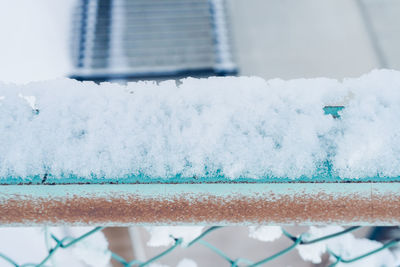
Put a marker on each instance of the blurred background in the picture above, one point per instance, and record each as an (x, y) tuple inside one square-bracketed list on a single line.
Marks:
[(139, 39), (129, 40)]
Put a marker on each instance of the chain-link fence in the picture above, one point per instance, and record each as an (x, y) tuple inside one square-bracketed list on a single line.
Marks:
[(300, 240)]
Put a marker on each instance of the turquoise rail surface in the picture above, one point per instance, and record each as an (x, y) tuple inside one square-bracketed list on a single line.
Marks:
[(52, 180)]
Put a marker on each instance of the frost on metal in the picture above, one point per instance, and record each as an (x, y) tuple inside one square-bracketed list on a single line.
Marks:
[(233, 127)]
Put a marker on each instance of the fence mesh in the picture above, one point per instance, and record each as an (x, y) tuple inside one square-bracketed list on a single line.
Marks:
[(67, 242)]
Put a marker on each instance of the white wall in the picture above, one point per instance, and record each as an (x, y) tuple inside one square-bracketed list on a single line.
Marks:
[(34, 39)]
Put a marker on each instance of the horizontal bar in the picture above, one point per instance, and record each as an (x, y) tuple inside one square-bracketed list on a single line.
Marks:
[(208, 204), (49, 179)]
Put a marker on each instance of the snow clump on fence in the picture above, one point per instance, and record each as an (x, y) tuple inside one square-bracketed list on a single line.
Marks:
[(233, 127)]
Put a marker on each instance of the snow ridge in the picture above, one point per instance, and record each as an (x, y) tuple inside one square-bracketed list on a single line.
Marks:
[(232, 127)]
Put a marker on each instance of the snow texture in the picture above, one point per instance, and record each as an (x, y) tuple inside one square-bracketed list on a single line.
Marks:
[(313, 252), (232, 127), (22, 244), (187, 263), (93, 250), (346, 246), (265, 233), (182, 263), (31, 244), (164, 235)]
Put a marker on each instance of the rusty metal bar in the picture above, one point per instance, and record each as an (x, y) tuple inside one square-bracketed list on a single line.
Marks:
[(210, 204)]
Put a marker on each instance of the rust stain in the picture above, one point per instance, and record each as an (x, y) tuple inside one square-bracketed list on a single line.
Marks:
[(386, 207), (209, 209)]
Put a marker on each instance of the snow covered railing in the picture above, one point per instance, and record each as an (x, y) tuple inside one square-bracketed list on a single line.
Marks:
[(210, 151)]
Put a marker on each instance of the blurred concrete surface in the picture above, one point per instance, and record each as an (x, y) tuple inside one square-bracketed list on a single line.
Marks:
[(384, 23), (311, 38)]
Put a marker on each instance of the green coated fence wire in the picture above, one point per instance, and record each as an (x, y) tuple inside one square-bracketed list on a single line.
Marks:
[(67, 242)]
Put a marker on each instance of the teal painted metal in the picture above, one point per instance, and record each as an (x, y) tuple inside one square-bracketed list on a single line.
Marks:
[(140, 179), (333, 110)]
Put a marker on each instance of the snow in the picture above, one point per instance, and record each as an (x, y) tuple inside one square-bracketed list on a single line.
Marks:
[(313, 252), (230, 126), (93, 250), (359, 246), (265, 233), (164, 235), (182, 263), (31, 245), (347, 246), (22, 244), (187, 263)]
